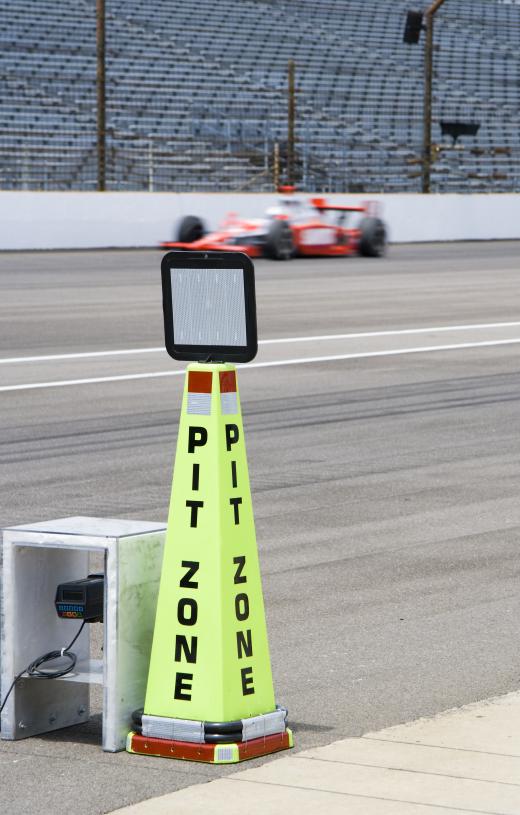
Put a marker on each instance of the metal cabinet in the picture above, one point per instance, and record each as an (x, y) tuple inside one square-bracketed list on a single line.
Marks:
[(36, 558)]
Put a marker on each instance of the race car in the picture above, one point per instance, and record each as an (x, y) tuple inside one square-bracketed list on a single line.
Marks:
[(293, 227)]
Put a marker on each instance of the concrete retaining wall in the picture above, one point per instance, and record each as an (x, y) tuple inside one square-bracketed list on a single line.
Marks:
[(66, 220)]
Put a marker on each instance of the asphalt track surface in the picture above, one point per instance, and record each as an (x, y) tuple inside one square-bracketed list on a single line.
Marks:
[(385, 481)]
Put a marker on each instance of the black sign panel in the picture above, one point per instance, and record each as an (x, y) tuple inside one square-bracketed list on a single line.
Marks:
[(209, 306)]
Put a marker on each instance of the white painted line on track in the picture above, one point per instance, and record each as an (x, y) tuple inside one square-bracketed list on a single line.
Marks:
[(93, 380), (272, 364), (277, 341), (390, 333), (82, 355)]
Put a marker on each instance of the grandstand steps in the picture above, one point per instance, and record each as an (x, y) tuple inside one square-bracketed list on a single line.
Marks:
[(210, 78)]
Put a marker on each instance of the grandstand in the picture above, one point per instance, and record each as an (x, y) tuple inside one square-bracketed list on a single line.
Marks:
[(196, 94)]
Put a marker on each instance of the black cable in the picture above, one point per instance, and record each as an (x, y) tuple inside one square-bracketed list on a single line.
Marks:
[(34, 668)]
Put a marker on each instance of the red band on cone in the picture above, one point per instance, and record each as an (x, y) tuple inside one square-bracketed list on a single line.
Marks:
[(199, 381), (228, 382)]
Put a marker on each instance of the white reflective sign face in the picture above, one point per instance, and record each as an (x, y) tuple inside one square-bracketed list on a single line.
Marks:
[(208, 307)]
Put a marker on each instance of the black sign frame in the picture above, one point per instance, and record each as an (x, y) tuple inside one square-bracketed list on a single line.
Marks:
[(210, 260)]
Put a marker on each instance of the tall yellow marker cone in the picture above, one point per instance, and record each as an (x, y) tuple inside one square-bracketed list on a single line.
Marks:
[(210, 692)]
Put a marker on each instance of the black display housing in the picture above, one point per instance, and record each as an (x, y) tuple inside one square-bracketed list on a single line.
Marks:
[(81, 599), (210, 260)]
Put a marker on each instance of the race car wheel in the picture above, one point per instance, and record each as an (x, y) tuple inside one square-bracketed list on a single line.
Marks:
[(190, 229), (279, 244), (372, 243)]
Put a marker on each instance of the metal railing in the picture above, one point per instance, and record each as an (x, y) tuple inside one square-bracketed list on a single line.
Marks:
[(225, 158)]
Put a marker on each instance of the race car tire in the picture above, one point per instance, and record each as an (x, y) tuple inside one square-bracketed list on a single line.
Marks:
[(279, 244), (372, 243), (190, 229)]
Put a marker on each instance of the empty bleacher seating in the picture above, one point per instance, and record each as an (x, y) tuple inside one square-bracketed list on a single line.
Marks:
[(196, 94)]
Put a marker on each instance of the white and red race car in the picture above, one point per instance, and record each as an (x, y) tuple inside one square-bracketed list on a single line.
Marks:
[(293, 227)]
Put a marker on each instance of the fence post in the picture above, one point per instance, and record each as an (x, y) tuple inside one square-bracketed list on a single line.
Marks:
[(100, 84), (427, 105), (276, 166), (150, 165), (291, 115)]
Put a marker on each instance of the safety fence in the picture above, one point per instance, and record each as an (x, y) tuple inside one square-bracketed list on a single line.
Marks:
[(229, 158)]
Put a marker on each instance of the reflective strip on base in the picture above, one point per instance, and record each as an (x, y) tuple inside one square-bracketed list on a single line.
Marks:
[(265, 725), (161, 727), (226, 754)]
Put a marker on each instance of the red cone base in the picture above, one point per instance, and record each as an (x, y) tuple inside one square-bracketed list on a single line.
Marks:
[(209, 753)]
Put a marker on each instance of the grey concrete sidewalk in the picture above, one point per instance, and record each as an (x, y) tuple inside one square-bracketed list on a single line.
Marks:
[(461, 761)]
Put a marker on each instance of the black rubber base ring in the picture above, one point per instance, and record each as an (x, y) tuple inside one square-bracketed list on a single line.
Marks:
[(223, 738), (217, 728)]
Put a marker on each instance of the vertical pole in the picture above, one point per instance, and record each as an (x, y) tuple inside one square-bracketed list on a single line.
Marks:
[(305, 167), (276, 166), (291, 114), (25, 170), (150, 164), (427, 104), (101, 98), (228, 130)]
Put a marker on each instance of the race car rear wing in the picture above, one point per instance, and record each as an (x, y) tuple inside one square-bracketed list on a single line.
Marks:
[(339, 208), (370, 207)]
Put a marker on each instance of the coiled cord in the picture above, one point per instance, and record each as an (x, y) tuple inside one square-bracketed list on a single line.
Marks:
[(34, 669)]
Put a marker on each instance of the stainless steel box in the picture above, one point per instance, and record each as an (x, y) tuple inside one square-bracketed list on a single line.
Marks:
[(36, 558)]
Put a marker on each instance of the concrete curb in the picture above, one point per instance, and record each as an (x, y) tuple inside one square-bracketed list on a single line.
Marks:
[(464, 760)]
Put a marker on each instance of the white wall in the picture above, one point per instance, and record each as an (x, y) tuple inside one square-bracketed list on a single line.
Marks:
[(62, 220)]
